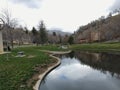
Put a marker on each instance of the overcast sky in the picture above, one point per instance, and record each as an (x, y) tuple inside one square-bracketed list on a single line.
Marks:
[(67, 15)]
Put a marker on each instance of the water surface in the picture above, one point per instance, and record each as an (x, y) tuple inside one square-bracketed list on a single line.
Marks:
[(85, 71)]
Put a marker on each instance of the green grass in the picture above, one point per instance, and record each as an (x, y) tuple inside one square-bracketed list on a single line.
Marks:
[(50, 47), (16, 71), (97, 47)]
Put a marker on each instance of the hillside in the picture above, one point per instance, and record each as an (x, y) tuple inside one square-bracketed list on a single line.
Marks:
[(101, 30)]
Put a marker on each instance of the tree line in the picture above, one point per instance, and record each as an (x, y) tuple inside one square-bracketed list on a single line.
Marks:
[(13, 33)]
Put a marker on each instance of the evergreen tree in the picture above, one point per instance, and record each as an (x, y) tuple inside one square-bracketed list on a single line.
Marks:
[(34, 31), (35, 36), (54, 33), (43, 33), (71, 40)]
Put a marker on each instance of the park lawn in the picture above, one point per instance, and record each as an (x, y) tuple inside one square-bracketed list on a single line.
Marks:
[(56, 47), (97, 47), (16, 71)]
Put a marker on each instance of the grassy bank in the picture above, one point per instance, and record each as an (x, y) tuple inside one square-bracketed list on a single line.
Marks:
[(51, 48), (15, 73), (97, 47)]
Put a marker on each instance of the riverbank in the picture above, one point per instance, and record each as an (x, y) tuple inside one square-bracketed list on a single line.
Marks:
[(51, 67), (96, 47)]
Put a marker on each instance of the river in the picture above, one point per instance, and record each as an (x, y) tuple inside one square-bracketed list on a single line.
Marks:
[(85, 71)]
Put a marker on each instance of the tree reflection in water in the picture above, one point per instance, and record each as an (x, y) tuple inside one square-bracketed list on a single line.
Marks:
[(101, 61), (85, 71)]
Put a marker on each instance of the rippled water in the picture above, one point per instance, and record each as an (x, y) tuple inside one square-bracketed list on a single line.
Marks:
[(85, 71)]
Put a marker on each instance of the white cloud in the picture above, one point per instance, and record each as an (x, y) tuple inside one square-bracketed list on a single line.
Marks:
[(73, 70), (28, 3), (116, 5), (65, 14)]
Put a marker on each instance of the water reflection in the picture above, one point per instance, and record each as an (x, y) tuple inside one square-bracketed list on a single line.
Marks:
[(101, 61), (85, 71)]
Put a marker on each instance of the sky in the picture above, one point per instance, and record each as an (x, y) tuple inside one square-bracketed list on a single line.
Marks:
[(67, 15)]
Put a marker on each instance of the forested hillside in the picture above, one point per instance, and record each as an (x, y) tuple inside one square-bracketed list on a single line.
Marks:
[(101, 30)]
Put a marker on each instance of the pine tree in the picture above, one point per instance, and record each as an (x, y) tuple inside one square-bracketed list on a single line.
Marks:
[(43, 33), (35, 36), (34, 31), (71, 40), (54, 33)]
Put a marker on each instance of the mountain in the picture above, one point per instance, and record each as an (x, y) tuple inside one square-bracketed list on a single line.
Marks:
[(101, 30), (58, 32)]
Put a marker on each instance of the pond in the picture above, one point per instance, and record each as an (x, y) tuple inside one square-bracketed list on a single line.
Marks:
[(85, 71)]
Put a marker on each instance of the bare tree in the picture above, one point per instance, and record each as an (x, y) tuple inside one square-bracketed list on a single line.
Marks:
[(10, 24)]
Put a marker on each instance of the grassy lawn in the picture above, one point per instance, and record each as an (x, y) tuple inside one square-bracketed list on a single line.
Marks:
[(97, 47), (15, 72), (51, 48)]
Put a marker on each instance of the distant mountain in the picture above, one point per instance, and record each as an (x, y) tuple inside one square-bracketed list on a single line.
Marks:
[(59, 32)]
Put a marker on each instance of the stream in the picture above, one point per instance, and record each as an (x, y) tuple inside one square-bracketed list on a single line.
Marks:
[(85, 71)]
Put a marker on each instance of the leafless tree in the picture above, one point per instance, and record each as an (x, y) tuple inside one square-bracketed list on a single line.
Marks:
[(10, 24)]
